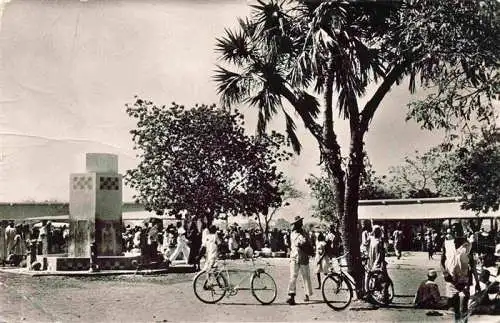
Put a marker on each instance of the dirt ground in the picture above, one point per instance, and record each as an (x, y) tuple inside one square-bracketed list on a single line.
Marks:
[(170, 298)]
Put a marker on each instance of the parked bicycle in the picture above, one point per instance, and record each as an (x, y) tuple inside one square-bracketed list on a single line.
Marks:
[(337, 287), (210, 287)]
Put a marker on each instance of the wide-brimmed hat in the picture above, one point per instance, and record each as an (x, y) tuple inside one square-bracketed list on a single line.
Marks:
[(297, 219)]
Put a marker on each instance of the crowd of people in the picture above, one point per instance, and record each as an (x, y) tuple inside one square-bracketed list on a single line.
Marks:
[(17, 239), (458, 265), (183, 241), (189, 241)]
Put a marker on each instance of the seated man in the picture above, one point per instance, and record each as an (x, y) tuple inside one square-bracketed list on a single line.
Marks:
[(428, 295)]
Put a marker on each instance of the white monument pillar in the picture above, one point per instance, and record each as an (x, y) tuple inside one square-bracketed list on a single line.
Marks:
[(95, 207)]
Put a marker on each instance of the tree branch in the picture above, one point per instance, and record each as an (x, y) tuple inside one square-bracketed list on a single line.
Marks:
[(372, 105)]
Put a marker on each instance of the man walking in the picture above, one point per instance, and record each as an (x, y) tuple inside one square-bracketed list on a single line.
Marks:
[(300, 250), (182, 246)]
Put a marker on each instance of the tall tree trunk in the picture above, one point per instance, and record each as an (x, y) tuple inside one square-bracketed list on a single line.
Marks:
[(350, 228), (330, 149)]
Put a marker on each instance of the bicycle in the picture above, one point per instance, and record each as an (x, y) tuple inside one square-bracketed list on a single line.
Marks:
[(216, 283), (338, 284)]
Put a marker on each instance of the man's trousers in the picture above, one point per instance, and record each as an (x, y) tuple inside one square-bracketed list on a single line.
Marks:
[(295, 267)]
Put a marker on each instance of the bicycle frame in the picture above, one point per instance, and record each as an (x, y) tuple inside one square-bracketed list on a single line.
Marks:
[(348, 277), (234, 288), (343, 273)]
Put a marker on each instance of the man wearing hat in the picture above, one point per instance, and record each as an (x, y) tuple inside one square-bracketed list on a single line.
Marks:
[(428, 295), (299, 260)]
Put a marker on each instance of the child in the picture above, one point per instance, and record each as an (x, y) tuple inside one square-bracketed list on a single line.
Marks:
[(321, 259)]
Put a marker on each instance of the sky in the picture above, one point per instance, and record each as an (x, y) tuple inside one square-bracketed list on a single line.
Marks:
[(68, 67)]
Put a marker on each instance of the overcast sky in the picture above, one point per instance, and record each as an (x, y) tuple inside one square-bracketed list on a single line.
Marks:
[(68, 68)]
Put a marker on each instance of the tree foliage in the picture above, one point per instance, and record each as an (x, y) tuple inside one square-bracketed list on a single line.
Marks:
[(201, 161), (287, 192), (418, 177), (463, 166), (475, 170), (372, 187)]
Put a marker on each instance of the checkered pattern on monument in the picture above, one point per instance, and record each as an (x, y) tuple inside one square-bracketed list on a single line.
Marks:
[(82, 183), (109, 183)]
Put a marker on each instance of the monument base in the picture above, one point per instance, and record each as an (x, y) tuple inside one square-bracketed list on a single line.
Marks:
[(82, 263)]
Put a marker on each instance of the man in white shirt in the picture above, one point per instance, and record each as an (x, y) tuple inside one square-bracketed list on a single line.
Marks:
[(210, 245)]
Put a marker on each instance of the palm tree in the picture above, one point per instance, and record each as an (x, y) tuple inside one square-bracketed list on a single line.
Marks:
[(283, 52), (295, 50)]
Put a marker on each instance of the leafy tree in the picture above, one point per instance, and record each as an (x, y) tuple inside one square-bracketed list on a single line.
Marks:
[(465, 166), (323, 194), (287, 192), (285, 50), (416, 177), (476, 171), (372, 186), (201, 161)]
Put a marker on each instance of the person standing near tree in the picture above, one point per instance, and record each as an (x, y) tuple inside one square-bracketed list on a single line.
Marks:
[(195, 240), (321, 260), (300, 251), (210, 248), (376, 258), (365, 237)]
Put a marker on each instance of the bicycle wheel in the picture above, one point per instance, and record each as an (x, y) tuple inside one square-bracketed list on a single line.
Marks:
[(377, 290), (337, 291), (210, 287), (263, 287)]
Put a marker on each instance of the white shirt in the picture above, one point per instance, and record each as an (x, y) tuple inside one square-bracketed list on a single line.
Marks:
[(204, 234), (210, 244), (296, 239), (181, 237)]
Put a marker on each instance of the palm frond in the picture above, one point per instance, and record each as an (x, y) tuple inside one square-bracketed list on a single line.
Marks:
[(308, 105), (233, 47), (267, 102), (290, 131), (232, 87)]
